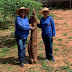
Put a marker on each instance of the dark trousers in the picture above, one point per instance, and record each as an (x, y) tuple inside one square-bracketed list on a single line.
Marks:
[(21, 48), (48, 47)]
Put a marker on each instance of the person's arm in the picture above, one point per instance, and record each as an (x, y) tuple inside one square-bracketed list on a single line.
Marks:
[(53, 27), (21, 26)]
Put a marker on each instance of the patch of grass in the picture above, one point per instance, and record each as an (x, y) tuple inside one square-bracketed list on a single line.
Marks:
[(13, 47), (17, 68), (2, 54), (65, 34), (41, 43), (71, 64), (65, 23), (66, 42), (63, 69), (59, 39), (46, 66), (41, 55), (55, 53), (67, 62), (56, 49), (54, 44), (10, 68), (41, 48), (31, 69), (67, 68), (63, 53), (4, 50), (70, 38)]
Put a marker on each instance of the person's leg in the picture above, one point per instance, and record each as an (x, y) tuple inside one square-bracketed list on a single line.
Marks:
[(24, 45), (20, 50), (48, 47)]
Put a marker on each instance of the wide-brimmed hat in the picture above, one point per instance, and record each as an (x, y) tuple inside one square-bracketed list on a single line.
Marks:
[(44, 9), (22, 8)]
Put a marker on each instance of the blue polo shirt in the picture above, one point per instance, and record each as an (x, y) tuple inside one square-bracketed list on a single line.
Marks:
[(47, 26), (22, 27)]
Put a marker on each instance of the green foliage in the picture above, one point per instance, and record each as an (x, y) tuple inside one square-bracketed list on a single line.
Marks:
[(65, 34), (46, 66), (8, 9), (59, 39), (4, 50)]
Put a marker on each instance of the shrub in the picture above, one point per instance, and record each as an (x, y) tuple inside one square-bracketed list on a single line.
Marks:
[(8, 8)]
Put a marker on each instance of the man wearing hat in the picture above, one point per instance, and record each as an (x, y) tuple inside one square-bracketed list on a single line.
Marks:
[(21, 32), (47, 26)]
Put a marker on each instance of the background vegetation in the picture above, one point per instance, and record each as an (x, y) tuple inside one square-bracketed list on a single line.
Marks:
[(8, 10)]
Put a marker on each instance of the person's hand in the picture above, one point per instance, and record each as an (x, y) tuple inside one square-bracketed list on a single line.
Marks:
[(32, 28)]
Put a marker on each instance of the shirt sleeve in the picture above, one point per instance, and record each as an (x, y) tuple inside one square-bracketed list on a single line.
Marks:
[(22, 26), (53, 27), (39, 25)]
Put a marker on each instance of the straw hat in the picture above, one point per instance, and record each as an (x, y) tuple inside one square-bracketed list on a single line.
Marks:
[(22, 8), (44, 9)]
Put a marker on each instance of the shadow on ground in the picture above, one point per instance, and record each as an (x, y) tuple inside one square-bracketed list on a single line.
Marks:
[(14, 61)]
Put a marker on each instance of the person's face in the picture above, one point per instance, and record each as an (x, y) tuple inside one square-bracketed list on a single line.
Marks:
[(45, 13), (22, 13)]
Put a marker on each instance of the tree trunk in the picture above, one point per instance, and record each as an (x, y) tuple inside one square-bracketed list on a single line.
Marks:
[(32, 46)]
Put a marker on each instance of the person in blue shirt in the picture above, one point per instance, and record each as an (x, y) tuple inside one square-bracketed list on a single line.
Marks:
[(21, 32), (47, 26)]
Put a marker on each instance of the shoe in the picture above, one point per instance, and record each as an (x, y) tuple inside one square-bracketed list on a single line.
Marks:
[(25, 62), (53, 60), (46, 59), (21, 64)]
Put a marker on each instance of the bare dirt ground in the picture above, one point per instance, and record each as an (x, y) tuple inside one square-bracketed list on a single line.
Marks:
[(62, 48)]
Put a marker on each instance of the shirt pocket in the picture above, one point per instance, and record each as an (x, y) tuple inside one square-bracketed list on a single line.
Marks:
[(48, 24)]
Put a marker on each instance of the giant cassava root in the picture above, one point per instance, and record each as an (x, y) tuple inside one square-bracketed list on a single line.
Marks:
[(32, 45)]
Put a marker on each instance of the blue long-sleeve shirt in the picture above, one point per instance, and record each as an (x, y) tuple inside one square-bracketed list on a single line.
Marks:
[(22, 27), (47, 26)]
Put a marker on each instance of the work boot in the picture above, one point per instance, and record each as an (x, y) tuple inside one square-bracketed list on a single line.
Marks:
[(21, 64)]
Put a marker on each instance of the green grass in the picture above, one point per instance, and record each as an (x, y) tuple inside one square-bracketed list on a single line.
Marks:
[(63, 69), (56, 49), (65, 23), (66, 42), (67, 62), (59, 39), (41, 43), (67, 68), (46, 66), (4, 50), (10, 68), (54, 43), (31, 69), (70, 38), (41, 55), (41, 48), (65, 34)]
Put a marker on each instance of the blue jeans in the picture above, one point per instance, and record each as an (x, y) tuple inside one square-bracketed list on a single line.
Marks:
[(21, 48), (48, 47)]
